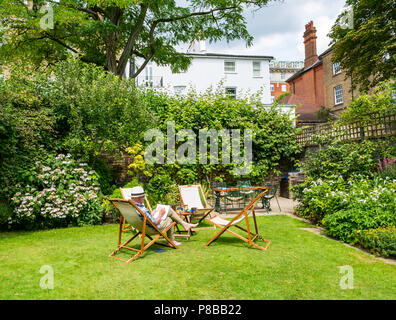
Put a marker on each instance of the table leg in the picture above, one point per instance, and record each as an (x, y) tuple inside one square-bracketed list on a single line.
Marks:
[(266, 203), (217, 202)]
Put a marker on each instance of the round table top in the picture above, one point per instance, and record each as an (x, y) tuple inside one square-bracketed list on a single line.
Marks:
[(219, 189)]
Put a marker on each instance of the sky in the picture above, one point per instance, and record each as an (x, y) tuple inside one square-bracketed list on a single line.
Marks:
[(278, 28)]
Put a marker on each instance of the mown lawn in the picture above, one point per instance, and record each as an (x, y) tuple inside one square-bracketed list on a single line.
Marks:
[(297, 265)]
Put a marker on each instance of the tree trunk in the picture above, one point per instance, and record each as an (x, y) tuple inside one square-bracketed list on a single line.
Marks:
[(111, 57), (111, 42)]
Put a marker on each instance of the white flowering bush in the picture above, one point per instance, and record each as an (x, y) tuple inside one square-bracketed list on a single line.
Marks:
[(346, 207), (369, 204), (62, 192), (320, 197)]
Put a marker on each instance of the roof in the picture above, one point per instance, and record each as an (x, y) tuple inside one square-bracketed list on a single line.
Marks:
[(302, 71), (224, 55), (318, 62), (326, 52), (307, 110)]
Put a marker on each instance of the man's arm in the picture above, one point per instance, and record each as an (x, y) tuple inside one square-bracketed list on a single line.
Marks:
[(160, 215)]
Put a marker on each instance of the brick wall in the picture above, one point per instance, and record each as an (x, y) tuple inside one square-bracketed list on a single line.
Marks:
[(331, 81), (278, 89), (310, 86), (118, 166)]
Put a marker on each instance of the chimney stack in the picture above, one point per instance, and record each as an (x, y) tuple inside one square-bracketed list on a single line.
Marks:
[(311, 55)]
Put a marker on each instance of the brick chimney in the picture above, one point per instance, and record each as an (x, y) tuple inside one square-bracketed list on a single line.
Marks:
[(311, 55)]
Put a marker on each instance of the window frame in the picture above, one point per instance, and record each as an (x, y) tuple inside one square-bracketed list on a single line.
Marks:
[(229, 61), (259, 69), (336, 68), (180, 90), (231, 95), (336, 97)]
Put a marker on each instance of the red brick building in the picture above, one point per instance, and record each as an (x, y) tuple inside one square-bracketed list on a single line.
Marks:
[(280, 71), (307, 89)]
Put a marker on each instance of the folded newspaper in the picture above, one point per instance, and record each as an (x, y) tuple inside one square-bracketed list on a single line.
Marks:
[(157, 210)]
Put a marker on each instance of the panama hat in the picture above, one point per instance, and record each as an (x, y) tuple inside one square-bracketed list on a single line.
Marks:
[(137, 192)]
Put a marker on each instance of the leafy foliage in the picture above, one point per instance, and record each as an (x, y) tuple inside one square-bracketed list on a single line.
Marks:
[(345, 190), (369, 205), (380, 241), (27, 129), (367, 50), (77, 108), (81, 109), (387, 168), (108, 33), (318, 198), (344, 207), (345, 159), (381, 101), (274, 144), (96, 111)]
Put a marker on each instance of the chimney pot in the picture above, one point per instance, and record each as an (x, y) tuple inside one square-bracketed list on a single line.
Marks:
[(311, 55)]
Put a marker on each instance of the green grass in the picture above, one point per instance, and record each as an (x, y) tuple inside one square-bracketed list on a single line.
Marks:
[(297, 265)]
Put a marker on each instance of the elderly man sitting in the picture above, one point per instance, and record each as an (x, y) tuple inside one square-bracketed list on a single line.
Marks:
[(162, 216)]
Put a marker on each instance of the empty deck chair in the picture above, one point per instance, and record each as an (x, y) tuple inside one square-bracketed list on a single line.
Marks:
[(225, 225), (192, 196), (144, 227)]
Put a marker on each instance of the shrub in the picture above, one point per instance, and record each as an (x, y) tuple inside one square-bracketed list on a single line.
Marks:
[(73, 108), (320, 198), (346, 159), (105, 178), (382, 101), (61, 192), (5, 213), (371, 204), (274, 139), (380, 241), (96, 110), (26, 130), (345, 224), (347, 189)]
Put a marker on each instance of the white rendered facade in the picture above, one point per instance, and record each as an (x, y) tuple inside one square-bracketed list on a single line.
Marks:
[(239, 74)]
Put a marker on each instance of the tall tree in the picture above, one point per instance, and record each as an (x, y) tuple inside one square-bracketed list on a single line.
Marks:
[(110, 32), (365, 45)]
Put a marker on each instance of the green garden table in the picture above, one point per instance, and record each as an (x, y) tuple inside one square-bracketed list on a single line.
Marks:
[(218, 190)]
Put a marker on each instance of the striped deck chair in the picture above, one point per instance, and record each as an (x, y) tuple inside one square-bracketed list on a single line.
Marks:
[(192, 196), (144, 227), (225, 225)]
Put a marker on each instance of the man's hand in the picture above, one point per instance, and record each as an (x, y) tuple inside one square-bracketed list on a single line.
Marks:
[(160, 215)]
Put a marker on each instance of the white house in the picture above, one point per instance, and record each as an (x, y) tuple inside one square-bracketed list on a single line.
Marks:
[(238, 73)]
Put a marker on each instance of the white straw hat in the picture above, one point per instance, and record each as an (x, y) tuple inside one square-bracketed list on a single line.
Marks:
[(137, 192)]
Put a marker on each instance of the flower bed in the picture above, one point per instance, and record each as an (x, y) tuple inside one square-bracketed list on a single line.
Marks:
[(349, 196)]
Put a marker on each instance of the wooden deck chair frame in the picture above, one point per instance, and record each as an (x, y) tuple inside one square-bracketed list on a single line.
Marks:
[(155, 235), (243, 215), (126, 227), (125, 196), (205, 211)]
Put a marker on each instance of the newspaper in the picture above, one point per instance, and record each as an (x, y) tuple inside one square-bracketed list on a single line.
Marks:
[(157, 211)]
